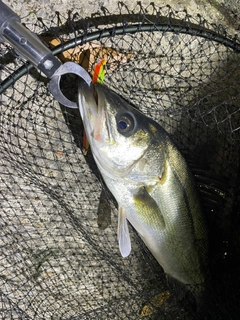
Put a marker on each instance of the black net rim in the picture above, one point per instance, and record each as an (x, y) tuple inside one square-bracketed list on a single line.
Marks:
[(164, 24)]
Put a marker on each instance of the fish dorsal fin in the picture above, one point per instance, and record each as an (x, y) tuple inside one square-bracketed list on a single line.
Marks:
[(123, 233)]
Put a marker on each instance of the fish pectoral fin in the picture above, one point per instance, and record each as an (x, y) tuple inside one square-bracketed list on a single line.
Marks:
[(123, 233), (148, 210)]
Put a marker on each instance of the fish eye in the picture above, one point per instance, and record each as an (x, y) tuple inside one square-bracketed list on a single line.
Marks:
[(126, 124)]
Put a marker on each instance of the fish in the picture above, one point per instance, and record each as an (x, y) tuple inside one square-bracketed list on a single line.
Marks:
[(151, 182), (104, 210)]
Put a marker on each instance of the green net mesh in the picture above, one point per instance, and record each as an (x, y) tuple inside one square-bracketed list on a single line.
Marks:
[(59, 255)]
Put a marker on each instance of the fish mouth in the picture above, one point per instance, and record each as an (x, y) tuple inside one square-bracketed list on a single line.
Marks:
[(93, 113), (88, 100)]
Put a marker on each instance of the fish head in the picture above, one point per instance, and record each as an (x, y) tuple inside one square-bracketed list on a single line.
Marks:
[(119, 134)]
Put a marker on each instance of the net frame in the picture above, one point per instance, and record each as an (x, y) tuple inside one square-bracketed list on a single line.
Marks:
[(138, 293)]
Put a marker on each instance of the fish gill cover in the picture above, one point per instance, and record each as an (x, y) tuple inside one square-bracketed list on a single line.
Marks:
[(59, 256)]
